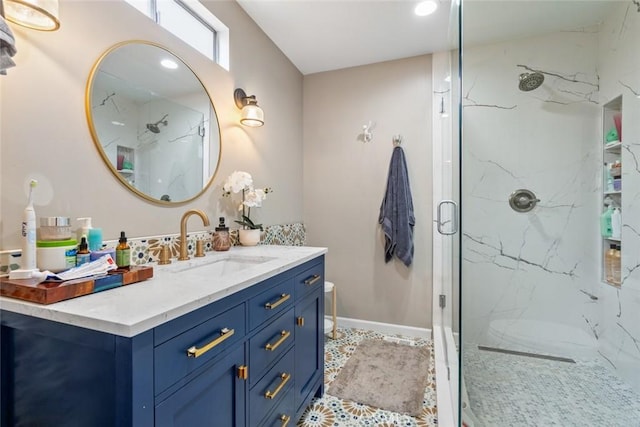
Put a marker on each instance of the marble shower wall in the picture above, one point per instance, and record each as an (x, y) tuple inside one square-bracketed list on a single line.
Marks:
[(619, 309), (539, 266), (537, 274)]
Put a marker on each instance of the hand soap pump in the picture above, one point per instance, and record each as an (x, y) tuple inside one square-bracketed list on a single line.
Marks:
[(83, 228), (221, 238)]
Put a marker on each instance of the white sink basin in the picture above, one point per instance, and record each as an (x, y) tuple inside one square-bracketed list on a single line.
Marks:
[(216, 265)]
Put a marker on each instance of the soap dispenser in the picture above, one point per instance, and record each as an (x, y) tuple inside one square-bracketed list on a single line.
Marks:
[(221, 237)]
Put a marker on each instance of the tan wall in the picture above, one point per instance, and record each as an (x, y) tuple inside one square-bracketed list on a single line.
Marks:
[(45, 134), (345, 180)]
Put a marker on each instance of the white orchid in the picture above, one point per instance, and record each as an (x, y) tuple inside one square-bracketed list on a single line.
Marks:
[(237, 182), (240, 181), (253, 198)]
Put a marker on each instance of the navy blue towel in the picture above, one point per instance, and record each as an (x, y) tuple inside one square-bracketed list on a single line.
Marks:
[(396, 212)]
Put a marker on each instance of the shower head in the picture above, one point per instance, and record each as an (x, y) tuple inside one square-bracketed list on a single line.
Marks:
[(153, 127), (530, 81)]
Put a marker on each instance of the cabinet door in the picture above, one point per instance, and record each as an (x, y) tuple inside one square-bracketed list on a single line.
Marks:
[(214, 398), (309, 347)]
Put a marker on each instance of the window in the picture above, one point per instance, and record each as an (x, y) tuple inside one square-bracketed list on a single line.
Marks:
[(192, 23)]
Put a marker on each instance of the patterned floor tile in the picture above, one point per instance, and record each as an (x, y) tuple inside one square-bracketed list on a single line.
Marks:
[(330, 411)]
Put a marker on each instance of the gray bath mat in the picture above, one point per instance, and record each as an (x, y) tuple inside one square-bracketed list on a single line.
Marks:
[(385, 375)]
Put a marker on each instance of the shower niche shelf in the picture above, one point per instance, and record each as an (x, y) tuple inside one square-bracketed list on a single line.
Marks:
[(611, 248)]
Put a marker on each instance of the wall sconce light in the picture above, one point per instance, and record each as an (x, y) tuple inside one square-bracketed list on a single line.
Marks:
[(251, 114), (39, 15)]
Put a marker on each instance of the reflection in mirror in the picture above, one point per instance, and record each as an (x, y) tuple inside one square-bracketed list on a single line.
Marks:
[(153, 122)]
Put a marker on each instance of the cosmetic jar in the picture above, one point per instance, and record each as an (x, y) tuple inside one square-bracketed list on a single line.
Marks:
[(55, 228), (56, 255)]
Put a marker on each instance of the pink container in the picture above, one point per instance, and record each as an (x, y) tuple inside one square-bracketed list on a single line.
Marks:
[(617, 120)]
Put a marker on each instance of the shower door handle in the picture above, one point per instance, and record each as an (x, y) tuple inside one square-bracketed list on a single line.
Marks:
[(454, 228)]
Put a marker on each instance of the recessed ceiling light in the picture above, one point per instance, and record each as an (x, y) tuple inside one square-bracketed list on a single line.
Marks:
[(425, 8), (169, 63)]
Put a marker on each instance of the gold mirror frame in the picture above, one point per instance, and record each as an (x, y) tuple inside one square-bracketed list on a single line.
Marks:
[(151, 126)]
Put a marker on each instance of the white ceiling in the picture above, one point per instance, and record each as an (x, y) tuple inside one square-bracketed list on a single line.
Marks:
[(322, 35)]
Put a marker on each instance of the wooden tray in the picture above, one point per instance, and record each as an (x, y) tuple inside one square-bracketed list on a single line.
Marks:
[(50, 292)]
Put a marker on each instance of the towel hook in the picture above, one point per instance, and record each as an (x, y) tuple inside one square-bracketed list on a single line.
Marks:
[(367, 135), (397, 140)]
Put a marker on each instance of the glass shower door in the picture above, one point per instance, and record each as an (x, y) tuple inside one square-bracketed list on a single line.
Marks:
[(545, 341)]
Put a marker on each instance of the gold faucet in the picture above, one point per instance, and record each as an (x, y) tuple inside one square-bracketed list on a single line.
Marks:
[(183, 230)]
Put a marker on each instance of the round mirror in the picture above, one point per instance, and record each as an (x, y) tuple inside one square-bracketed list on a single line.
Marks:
[(153, 122)]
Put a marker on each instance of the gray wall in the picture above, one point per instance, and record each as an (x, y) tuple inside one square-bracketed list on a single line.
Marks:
[(345, 180), (45, 133)]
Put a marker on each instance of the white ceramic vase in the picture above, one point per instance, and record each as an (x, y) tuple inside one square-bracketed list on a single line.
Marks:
[(249, 237)]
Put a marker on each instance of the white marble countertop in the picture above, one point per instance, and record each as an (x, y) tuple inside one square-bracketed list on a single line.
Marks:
[(132, 309)]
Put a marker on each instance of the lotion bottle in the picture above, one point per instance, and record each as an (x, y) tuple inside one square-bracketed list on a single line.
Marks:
[(28, 258)]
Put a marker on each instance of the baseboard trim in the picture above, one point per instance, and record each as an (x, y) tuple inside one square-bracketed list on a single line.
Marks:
[(383, 328)]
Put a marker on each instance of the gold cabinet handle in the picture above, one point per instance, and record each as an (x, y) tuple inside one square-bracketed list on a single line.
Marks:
[(285, 420), (285, 378), (272, 305), (197, 352), (300, 321), (243, 372), (311, 280), (283, 336)]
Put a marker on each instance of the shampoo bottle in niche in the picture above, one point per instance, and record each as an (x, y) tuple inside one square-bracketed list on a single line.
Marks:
[(609, 259), (616, 266), (123, 252), (616, 223), (605, 222), (608, 177), (28, 258)]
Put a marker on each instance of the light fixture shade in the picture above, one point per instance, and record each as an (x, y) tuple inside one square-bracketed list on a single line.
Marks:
[(252, 115), (35, 14)]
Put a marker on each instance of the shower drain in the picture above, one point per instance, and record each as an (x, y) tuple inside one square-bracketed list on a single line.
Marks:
[(526, 354)]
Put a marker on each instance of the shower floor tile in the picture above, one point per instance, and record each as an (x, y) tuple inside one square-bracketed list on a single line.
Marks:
[(330, 411), (510, 390)]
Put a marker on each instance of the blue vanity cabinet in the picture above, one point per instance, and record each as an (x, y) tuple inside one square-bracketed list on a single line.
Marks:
[(309, 349), (259, 363), (215, 397)]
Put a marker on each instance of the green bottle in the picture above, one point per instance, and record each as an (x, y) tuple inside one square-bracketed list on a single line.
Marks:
[(605, 222), (123, 251)]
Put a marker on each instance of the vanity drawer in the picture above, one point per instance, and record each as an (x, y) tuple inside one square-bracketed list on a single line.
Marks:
[(308, 280), (268, 393), (270, 302), (269, 344), (284, 413), (192, 349)]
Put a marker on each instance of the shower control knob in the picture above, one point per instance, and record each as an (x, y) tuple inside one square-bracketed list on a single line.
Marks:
[(523, 200)]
